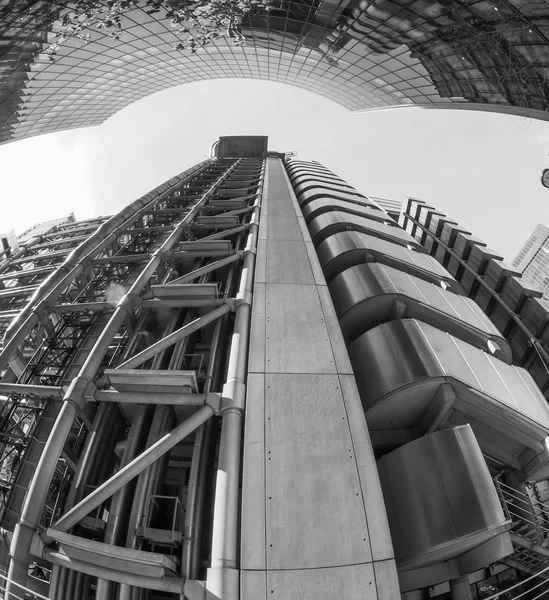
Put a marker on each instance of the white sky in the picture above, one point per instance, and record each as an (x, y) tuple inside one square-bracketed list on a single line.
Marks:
[(482, 169)]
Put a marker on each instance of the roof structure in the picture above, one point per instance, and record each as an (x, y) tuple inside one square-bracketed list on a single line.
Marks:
[(476, 54)]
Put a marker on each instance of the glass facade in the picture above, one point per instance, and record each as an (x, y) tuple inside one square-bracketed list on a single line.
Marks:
[(486, 54)]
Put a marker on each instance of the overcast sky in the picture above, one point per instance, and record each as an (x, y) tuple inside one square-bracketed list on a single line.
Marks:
[(481, 169)]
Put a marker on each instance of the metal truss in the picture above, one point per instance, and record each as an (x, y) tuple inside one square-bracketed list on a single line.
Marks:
[(94, 313)]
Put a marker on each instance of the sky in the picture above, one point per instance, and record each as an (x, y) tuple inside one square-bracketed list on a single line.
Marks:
[(481, 169)]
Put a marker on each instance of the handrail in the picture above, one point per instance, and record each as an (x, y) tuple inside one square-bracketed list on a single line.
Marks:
[(26, 589), (498, 594)]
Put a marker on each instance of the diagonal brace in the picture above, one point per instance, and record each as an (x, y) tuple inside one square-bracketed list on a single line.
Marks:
[(174, 337), (132, 469)]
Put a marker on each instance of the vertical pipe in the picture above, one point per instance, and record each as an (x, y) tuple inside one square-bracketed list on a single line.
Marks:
[(54, 581), (86, 591), (81, 476), (79, 586), (461, 589), (67, 591), (118, 517), (61, 582), (223, 575), (198, 474), (146, 485)]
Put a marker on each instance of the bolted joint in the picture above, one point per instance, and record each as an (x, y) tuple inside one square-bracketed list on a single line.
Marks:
[(233, 396)]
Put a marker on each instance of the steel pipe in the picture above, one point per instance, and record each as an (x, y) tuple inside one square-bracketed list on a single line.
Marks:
[(40, 391), (34, 502), (206, 269), (46, 292), (174, 337), (150, 398), (194, 508), (118, 517), (223, 576), (146, 484), (226, 233), (136, 466), (165, 584)]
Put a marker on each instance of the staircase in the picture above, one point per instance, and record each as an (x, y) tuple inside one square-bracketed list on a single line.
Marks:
[(530, 526)]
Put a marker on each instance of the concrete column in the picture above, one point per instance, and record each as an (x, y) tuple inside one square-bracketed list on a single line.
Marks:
[(461, 589)]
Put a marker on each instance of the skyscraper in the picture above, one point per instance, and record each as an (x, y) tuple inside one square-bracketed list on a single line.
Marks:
[(200, 391), (478, 56), (533, 261)]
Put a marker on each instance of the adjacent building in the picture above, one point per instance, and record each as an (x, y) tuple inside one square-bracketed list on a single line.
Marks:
[(533, 261), (253, 383), (480, 55)]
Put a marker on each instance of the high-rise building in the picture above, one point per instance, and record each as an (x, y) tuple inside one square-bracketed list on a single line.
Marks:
[(476, 55), (252, 383), (533, 261)]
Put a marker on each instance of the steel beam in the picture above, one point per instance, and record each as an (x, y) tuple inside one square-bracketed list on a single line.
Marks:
[(174, 337), (156, 398), (206, 269), (75, 397), (40, 391), (132, 469), (75, 262), (172, 585), (225, 233)]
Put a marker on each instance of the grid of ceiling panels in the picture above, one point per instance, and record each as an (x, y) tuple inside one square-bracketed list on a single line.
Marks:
[(398, 52)]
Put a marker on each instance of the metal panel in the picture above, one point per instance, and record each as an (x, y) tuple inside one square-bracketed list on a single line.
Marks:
[(296, 344), (315, 193), (311, 474), (256, 360), (400, 367), (339, 349), (348, 248), (440, 497), (318, 207), (439, 354), (358, 581), (254, 585), (288, 262), (315, 264), (334, 222), (386, 580), (374, 505), (369, 294), (283, 228), (253, 476), (321, 182)]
